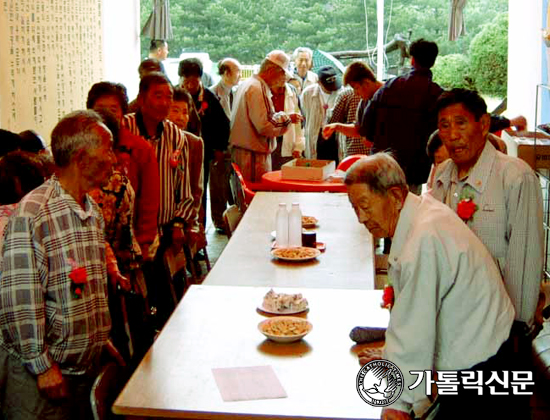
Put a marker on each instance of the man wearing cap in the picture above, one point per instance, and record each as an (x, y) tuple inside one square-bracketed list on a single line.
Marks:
[(318, 100), (401, 115), (254, 122)]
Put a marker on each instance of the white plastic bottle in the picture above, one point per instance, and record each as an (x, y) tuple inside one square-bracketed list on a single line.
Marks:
[(295, 226), (281, 226)]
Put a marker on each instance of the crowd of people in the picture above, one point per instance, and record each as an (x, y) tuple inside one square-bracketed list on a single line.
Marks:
[(122, 183)]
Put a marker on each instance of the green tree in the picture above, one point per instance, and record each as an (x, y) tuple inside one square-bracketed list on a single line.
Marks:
[(248, 29), (452, 71), (489, 57)]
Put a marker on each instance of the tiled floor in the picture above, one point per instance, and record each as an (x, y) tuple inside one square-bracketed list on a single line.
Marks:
[(216, 242)]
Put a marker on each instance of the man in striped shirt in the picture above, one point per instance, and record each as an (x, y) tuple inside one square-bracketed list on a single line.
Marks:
[(254, 123), (54, 316), (171, 148), (177, 220)]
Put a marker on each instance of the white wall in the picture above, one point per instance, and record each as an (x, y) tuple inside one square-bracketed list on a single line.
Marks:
[(121, 46), (524, 57)]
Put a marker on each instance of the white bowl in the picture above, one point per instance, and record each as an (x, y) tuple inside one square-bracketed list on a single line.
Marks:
[(284, 322)]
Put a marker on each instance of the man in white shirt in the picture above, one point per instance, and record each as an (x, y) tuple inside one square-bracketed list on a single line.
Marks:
[(254, 123), (303, 62), (220, 192), (318, 100), (505, 192), (499, 198), (159, 51), (230, 72), (451, 311)]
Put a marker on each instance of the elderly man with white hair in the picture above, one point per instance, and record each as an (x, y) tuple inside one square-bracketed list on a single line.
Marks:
[(451, 311), (303, 62), (254, 123), (220, 170), (230, 72), (54, 315)]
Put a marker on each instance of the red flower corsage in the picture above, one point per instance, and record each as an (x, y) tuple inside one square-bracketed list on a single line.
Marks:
[(388, 297), (204, 107), (79, 279), (174, 160), (466, 209), (325, 106), (466, 206)]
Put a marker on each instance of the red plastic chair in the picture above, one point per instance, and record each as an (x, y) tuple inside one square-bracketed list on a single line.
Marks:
[(248, 193), (347, 162)]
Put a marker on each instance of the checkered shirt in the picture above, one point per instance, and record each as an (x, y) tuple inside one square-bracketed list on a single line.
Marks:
[(345, 111), (41, 321)]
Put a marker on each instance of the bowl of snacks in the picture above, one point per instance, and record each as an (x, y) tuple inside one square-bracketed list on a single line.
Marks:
[(296, 254), (285, 329), (309, 222)]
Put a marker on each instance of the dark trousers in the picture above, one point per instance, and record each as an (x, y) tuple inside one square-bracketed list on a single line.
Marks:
[(327, 149), (21, 400), (158, 281), (469, 405), (277, 160), (220, 191), (205, 176)]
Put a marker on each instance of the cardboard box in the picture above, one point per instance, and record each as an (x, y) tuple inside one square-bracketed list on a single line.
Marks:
[(308, 169), (521, 144)]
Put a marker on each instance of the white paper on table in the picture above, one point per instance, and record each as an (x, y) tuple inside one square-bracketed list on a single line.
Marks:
[(248, 383)]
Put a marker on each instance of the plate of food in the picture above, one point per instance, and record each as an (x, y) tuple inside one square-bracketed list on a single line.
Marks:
[(283, 303), (300, 253), (309, 222), (285, 329)]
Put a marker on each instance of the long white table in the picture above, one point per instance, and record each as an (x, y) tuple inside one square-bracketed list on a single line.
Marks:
[(216, 327), (347, 263)]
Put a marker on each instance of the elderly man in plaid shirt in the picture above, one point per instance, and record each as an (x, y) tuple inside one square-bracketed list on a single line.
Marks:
[(54, 317)]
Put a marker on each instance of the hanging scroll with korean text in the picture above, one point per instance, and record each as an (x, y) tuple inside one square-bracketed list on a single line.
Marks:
[(50, 55)]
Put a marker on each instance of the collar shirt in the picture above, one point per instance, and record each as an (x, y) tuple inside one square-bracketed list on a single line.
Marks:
[(6, 211), (214, 122), (172, 152), (254, 122), (317, 111), (451, 310), (508, 219), (139, 163), (293, 139), (310, 79), (345, 111), (42, 320), (196, 170), (225, 95)]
